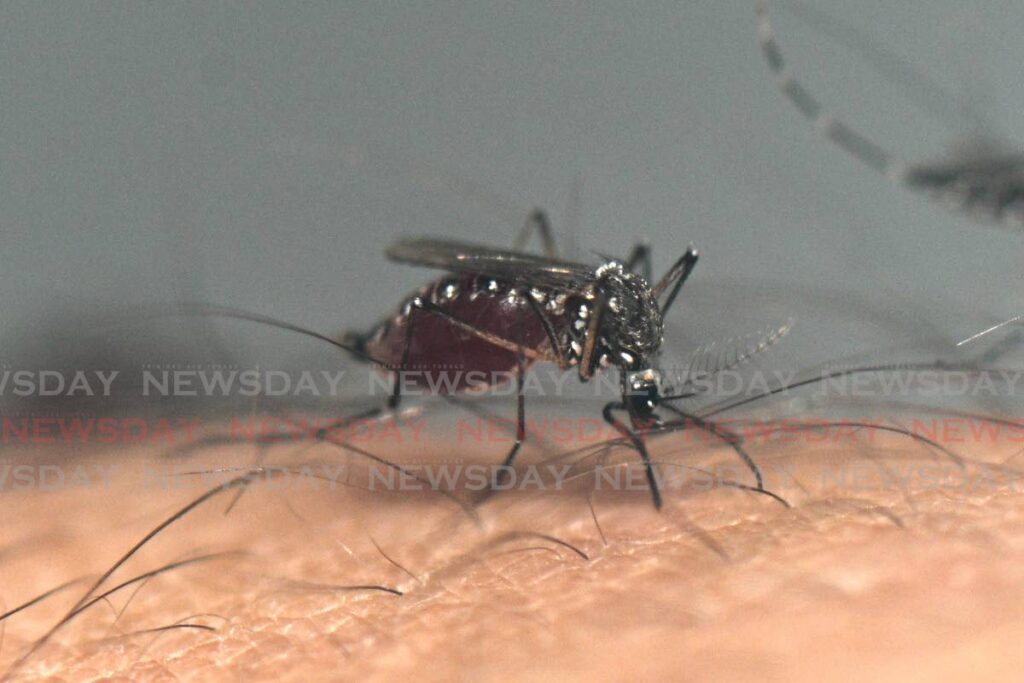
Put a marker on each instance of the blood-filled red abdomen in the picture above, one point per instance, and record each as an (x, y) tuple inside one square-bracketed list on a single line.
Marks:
[(447, 358)]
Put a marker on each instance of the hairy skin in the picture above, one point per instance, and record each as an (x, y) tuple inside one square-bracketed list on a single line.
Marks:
[(873, 577)]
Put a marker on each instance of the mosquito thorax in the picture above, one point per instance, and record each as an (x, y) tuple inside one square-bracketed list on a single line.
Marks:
[(631, 327)]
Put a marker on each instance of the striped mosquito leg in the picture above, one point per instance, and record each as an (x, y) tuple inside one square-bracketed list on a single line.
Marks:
[(852, 142)]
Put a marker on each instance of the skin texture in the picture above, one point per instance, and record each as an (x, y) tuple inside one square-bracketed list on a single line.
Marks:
[(871, 576)]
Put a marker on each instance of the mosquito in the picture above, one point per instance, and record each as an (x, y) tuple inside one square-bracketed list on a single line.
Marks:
[(499, 311), (496, 312), (982, 180)]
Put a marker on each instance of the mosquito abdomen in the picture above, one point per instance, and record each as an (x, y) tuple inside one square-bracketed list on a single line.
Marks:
[(441, 355)]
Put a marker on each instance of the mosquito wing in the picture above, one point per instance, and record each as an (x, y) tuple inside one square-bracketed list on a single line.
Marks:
[(501, 264)]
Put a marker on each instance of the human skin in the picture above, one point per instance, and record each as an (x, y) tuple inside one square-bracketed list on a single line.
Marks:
[(870, 577)]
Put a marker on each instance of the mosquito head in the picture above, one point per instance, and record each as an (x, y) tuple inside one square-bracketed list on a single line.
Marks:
[(641, 394)]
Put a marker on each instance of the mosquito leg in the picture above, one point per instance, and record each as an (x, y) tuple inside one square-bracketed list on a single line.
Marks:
[(729, 437), (396, 387), (522, 353), (588, 359), (395, 399), (842, 135), (638, 444), (640, 256), (549, 330), (358, 341), (538, 223), (423, 306), (497, 340), (678, 275), (503, 474)]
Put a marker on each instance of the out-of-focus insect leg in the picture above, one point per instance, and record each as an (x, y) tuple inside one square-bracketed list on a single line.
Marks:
[(842, 135), (638, 444), (640, 256), (537, 222)]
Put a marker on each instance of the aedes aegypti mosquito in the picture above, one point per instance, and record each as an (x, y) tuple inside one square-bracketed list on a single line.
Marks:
[(983, 181), (499, 311), (503, 310)]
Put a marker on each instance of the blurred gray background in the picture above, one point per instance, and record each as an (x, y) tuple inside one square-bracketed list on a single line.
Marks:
[(262, 155)]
